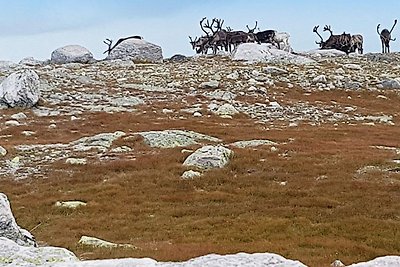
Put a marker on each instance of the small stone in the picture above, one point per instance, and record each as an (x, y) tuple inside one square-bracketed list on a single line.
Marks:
[(337, 263), (12, 123), (76, 161), (28, 133), (188, 175), (352, 66), (19, 116), (209, 85), (97, 242), (197, 114), (227, 110), (70, 204), (53, 126), (3, 151), (320, 79)]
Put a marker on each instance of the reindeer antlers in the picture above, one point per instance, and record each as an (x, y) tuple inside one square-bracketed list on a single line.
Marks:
[(252, 30), (328, 28), (315, 29)]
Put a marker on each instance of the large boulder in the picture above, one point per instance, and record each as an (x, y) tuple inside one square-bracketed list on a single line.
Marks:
[(9, 227), (252, 52), (20, 89), (71, 54), (209, 157), (137, 50)]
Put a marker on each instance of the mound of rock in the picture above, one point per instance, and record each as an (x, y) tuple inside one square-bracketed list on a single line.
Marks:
[(209, 157), (9, 228), (252, 52), (71, 54), (20, 89), (137, 50)]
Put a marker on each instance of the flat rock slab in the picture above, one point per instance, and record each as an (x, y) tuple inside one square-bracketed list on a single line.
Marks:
[(97, 242), (209, 157), (174, 138), (253, 143)]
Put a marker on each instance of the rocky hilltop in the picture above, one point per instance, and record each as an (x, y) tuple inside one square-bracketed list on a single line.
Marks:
[(202, 113)]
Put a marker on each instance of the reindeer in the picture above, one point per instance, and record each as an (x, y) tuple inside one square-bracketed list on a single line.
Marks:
[(356, 43), (386, 37), (263, 36), (282, 37), (200, 45), (111, 47), (218, 36), (340, 42)]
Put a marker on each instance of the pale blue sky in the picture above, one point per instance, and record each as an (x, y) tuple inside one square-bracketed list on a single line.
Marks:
[(37, 27)]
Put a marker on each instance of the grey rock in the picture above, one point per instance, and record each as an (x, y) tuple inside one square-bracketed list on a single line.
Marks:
[(71, 54), (20, 89), (320, 79), (209, 85), (30, 61), (99, 142), (390, 84), (100, 243), (3, 151), (352, 66), (174, 138), (9, 228), (252, 52), (189, 175), (12, 123), (13, 254), (221, 95), (76, 161), (253, 143), (227, 110), (274, 70), (19, 116), (137, 50), (209, 157), (70, 204)]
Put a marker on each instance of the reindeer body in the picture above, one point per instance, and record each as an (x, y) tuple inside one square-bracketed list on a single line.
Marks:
[(356, 43), (386, 37)]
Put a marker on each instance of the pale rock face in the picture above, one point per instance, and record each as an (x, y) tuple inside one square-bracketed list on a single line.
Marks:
[(9, 228), (20, 89), (252, 52), (137, 50), (3, 151), (71, 54), (227, 110), (209, 157), (13, 254)]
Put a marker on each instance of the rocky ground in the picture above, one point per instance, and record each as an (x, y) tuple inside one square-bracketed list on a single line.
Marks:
[(117, 110)]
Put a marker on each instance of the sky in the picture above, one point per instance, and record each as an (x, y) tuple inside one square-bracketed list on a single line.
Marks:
[(35, 28)]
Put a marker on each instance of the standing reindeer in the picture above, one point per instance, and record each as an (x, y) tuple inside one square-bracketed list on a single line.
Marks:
[(386, 37), (262, 36)]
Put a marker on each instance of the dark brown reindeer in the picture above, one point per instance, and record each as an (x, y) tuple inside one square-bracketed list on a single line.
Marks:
[(340, 42), (262, 36), (112, 47), (219, 37), (386, 37)]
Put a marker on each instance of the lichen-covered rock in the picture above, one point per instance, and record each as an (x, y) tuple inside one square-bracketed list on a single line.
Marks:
[(9, 228), (3, 151), (253, 143), (137, 50), (71, 54), (13, 254), (252, 52), (20, 89), (209, 157), (174, 138)]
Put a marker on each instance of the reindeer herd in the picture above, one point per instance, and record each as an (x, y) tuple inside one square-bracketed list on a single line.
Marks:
[(216, 38)]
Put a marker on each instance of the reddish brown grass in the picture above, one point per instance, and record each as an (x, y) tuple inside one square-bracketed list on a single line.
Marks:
[(324, 212)]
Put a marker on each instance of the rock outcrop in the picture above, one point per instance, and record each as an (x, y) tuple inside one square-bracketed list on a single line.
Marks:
[(71, 54), (209, 157), (20, 89), (137, 50), (9, 227), (252, 52)]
